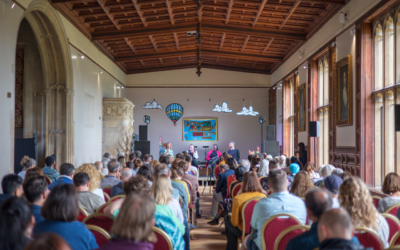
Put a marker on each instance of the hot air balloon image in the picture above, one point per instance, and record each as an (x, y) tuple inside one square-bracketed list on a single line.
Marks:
[(174, 112)]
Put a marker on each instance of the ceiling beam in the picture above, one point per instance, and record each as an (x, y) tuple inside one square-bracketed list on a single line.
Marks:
[(142, 62), (295, 5), (260, 10), (222, 40), (176, 40), (245, 43), (156, 56), (242, 55), (228, 14), (153, 42), (140, 13), (268, 45), (107, 11), (130, 45), (171, 16)]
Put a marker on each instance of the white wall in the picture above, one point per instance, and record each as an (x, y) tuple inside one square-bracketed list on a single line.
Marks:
[(244, 130), (303, 79), (89, 89)]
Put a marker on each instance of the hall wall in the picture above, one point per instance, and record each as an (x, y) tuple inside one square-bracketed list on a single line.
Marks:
[(244, 130)]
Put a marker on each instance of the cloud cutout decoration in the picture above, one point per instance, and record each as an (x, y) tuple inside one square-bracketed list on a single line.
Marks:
[(249, 111), (223, 108), (152, 105)]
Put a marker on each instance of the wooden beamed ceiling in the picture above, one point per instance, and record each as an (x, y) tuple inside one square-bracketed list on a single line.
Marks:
[(151, 35)]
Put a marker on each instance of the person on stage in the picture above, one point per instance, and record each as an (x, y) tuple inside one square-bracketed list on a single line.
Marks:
[(193, 153), (213, 153), (233, 151), (168, 150)]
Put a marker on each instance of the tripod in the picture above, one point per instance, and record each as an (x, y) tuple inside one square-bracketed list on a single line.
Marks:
[(210, 176)]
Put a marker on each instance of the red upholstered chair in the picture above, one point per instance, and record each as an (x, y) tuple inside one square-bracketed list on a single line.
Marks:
[(375, 200), (101, 208), (82, 214), (236, 189), (216, 172), (102, 237), (192, 208), (394, 225), (395, 240), (48, 180), (393, 209), (106, 196), (247, 212), (274, 226), (368, 238), (117, 197), (100, 220), (107, 190), (288, 234), (163, 240)]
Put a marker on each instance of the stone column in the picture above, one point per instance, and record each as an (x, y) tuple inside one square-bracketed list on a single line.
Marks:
[(117, 126)]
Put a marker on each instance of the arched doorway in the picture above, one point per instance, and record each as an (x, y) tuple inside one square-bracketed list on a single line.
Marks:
[(44, 83)]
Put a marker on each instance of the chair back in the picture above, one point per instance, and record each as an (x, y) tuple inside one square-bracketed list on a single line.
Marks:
[(230, 189), (163, 240), (236, 189), (117, 197), (247, 212), (100, 220), (395, 240), (368, 238), (393, 209), (288, 234), (101, 236), (48, 180), (106, 196), (274, 226), (260, 178), (394, 224), (216, 172), (189, 184), (82, 214), (375, 200), (102, 207), (107, 190)]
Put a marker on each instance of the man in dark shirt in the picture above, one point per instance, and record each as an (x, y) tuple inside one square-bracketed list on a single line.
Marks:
[(11, 185), (233, 151), (220, 191), (36, 191)]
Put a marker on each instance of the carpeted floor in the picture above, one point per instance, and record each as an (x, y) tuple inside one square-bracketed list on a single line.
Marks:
[(206, 237)]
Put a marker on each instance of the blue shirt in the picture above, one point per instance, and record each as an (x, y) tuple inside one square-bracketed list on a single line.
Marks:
[(51, 173), (4, 197), (74, 233), (309, 240), (61, 180), (36, 213), (222, 183), (166, 224), (276, 203)]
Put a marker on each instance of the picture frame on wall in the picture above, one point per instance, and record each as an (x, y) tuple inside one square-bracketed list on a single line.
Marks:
[(200, 129), (344, 82), (301, 106)]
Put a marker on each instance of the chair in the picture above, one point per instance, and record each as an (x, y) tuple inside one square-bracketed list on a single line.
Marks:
[(247, 212), (216, 173), (288, 234), (395, 240), (107, 190), (368, 238), (192, 209), (393, 209), (100, 220), (375, 200), (102, 237), (163, 240), (230, 187), (101, 208), (48, 180), (394, 225), (259, 179), (106, 196), (274, 226), (117, 197), (82, 214), (236, 189)]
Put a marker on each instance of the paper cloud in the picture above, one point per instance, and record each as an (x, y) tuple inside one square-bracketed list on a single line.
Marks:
[(223, 108), (249, 111), (152, 105)]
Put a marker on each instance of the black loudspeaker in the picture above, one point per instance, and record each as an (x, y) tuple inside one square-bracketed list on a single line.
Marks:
[(313, 129), (397, 117), (272, 147), (270, 132), (143, 146), (142, 132)]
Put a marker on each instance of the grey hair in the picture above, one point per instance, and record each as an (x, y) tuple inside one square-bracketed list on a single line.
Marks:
[(162, 170), (326, 170), (29, 163), (264, 168), (245, 163), (126, 173), (113, 166), (269, 157), (337, 171), (224, 167), (106, 155)]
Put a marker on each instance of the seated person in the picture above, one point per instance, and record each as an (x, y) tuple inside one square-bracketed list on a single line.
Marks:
[(126, 174), (137, 164), (239, 173), (279, 201), (263, 171), (66, 174), (48, 241), (16, 223), (36, 191), (112, 178), (99, 166), (177, 173), (264, 181), (332, 184), (294, 168), (60, 211), (255, 163), (192, 168), (192, 179), (335, 231), (146, 172), (132, 229), (234, 225), (301, 184), (310, 170), (131, 166), (391, 187), (26, 163), (12, 186), (50, 170), (95, 179), (246, 164), (317, 202), (87, 200)]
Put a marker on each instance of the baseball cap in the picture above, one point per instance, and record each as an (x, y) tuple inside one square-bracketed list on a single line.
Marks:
[(332, 183), (294, 168)]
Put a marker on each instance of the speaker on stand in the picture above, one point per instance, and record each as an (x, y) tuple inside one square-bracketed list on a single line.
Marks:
[(313, 131)]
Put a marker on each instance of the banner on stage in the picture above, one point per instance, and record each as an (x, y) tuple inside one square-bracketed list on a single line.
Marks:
[(204, 129)]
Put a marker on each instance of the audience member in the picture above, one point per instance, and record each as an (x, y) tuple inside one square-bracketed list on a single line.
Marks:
[(89, 201), (67, 171), (132, 229), (273, 164), (112, 178), (33, 172), (246, 164), (249, 157), (192, 168), (301, 184), (332, 184), (165, 160), (192, 179), (146, 172), (354, 197), (310, 170), (326, 170), (99, 166), (60, 212), (126, 174), (282, 161), (132, 157), (177, 173), (105, 161), (233, 225), (294, 168), (269, 158), (345, 175), (138, 163), (48, 241), (12, 186), (239, 173), (391, 187), (16, 224), (303, 153), (264, 169), (26, 164), (335, 231), (154, 163), (138, 154), (122, 161), (337, 171), (36, 191), (50, 169), (255, 163), (95, 179), (147, 158), (287, 163), (279, 201)]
